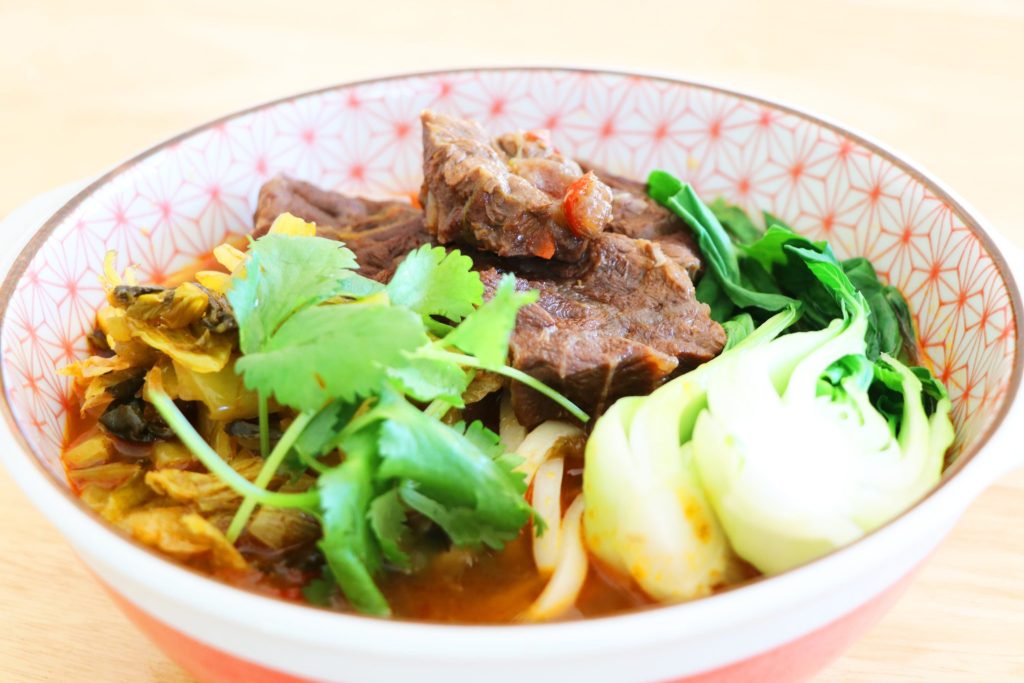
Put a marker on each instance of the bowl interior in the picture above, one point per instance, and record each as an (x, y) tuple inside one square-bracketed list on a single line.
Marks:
[(175, 203)]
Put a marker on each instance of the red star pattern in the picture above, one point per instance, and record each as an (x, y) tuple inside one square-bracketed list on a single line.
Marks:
[(180, 201)]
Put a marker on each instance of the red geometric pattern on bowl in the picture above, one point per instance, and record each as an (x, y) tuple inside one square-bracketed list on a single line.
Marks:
[(185, 198)]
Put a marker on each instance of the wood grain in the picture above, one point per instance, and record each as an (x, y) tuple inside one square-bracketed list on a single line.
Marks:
[(83, 85)]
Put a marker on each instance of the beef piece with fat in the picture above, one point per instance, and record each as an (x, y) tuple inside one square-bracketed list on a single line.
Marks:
[(635, 214), (514, 196)]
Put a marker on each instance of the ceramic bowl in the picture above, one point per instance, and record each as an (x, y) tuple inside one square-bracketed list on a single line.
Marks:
[(175, 202)]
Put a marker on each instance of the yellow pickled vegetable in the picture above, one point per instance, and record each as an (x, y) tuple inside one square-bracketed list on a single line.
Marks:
[(109, 476), (111, 321), (173, 308), (183, 534), (229, 256), (171, 455), (206, 353), (281, 528), (89, 452), (223, 392), (287, 224), (114, 505), (214, 280), (206, 491)]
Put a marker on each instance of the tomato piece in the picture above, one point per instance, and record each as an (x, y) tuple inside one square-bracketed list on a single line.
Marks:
[(587, 205)]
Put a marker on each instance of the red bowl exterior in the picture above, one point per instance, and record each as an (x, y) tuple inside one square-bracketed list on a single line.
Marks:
[(795, 661)]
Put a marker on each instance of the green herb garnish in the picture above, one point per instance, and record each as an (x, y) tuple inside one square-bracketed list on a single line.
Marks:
[(349, 355)]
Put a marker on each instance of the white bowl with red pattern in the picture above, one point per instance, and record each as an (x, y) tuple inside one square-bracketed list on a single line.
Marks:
[(178, 200)]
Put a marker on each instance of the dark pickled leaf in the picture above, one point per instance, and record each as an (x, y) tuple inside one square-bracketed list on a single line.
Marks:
[(135, 420), (129, 388), (126, 295), (98, 345), (218, 318), (247, 432)]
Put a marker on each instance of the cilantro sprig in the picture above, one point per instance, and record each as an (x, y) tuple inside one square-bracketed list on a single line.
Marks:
[(353, 359)]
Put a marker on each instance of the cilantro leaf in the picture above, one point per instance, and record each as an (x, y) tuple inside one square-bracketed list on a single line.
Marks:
[(490, 443), (485, 332), (347, 544), (432, 281), (387, 520), (427, 379), (336, 351), (483, 438), (284, 274), (462, 524), (449, 467), (321, 434)]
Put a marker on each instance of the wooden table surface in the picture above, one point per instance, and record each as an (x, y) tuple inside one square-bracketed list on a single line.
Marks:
[(85, 84)]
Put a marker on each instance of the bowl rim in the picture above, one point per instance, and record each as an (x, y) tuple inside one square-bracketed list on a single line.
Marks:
[(971, 218)]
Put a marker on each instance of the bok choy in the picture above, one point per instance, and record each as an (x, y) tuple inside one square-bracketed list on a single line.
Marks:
[(808, 431)]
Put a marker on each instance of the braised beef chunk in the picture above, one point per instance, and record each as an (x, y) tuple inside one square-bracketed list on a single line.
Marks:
[(379, 232), (617, 314), (637, 215), (512, 197), (617, 324)]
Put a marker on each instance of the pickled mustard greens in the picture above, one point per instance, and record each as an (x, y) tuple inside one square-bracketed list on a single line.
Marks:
[(785, 446)]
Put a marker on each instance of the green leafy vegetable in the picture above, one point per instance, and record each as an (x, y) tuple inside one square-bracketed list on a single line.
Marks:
[(326, 352), (352, 554), (715, 246), (800, 443), (387, 520), (760, 272), (892, 327), (432, 282), (647, 512), (735, 221), (485, 332), (770, 220), (737, 329), (285, 274)]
